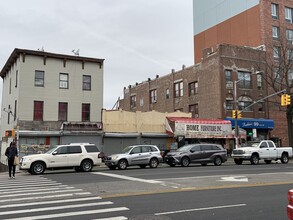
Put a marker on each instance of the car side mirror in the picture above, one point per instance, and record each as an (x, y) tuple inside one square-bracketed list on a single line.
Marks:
[(192, 151), (54, 153)]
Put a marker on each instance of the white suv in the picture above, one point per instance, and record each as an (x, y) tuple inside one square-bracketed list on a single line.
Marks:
[(80, 156)]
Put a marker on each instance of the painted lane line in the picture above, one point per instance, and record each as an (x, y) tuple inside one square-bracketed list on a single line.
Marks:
[(37, 193), (200, 209), (55, 208), (69, 214), (45, 197), (234, 179), (50, 202), (129, 178), (112, 218), (36, 190)]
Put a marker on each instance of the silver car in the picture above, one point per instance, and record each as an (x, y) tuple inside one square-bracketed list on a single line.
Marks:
[(140, 155)]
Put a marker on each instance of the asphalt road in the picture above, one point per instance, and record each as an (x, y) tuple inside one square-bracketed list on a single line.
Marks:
[(197, 192)]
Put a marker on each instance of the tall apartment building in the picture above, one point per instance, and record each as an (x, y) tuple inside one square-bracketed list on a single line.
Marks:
[(51, 98), (240, 22)]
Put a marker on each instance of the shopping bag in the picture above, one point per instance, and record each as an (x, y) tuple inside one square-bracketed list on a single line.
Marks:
[(16, 160)]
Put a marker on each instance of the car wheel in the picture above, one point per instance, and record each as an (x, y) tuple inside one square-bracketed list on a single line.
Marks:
[(254, 160), (284, 158), (218, 161), (122, 164), (238, 161), (185, 162), (268, 161), (142, 166), (38, 168), (86, 165), (154, 163)]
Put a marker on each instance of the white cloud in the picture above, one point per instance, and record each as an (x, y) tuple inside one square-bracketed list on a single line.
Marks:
[(138, 39)]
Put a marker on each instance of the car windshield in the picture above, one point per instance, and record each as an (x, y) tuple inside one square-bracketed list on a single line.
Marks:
[(184, 148), (51, 149), (126, 150)]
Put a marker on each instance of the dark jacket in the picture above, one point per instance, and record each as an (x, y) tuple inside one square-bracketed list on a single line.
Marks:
[(11, 152)]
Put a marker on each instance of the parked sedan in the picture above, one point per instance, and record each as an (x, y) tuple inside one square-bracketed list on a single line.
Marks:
[(140, 155), (197, 153)]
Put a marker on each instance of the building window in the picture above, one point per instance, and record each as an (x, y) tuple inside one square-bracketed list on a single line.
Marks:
[(133, 101), (38, 110), (62, 112), (275, 11), (86, 112), (63, 81), (228, 75), (275, 32), (86, 82), (10, 86), (167, 93), (244, 80), (178, 91), (290, 54), (153, 96), (39, 78), (277, 74), (276, 53), (290, 77), (289, 35), (289, 14), (16, 78), (192, 88), (259, 81), (15, 109), (229, 101), (244, 102), (260, 106), (194, 110)]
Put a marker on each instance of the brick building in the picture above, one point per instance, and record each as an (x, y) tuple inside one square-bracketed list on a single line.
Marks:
[(206, 89), (250, 23)]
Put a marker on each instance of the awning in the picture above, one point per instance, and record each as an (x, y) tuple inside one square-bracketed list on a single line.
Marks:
[(257, 123), (198, 128)]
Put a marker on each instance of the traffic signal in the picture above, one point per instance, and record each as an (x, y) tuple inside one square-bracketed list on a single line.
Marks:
[(234, 113), (10, 133), (239, 114), (285, 100)]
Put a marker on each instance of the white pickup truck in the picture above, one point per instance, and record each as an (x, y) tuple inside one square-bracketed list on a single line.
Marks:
[(265, 150)]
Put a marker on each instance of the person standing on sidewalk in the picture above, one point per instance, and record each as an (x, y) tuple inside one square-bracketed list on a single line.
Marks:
[(10, 153)]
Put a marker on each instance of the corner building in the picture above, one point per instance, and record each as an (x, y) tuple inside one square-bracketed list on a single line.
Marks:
[(51, 99)]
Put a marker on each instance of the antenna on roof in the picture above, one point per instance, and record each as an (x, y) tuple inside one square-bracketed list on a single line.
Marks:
[(42, 49), (75, 52)]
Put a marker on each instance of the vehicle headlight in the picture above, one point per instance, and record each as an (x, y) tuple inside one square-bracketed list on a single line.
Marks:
[(115, 157)]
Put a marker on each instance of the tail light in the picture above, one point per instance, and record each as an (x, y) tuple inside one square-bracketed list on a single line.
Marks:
[(290, 205)]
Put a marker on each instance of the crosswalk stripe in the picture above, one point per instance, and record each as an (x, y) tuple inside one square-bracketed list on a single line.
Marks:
[(68, 214), (45, 197), (112, 218), (8, 186), (54, 208), (42, 189), (37, 193), (50, 202)]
